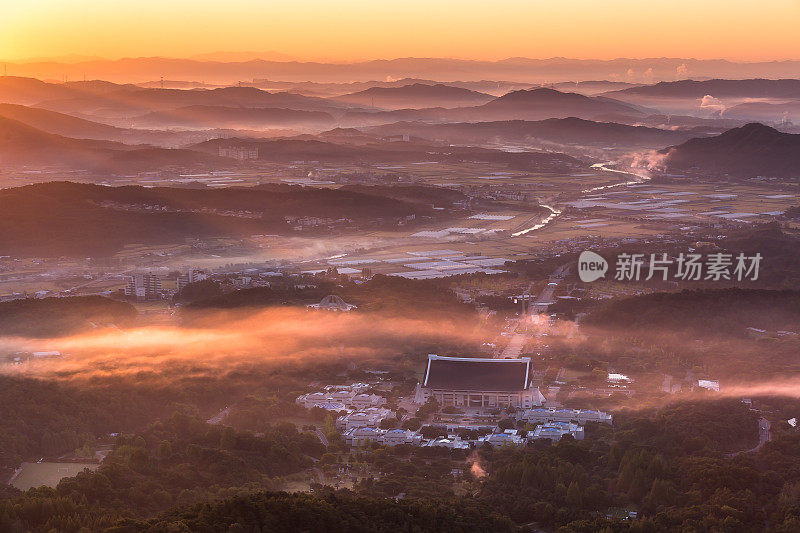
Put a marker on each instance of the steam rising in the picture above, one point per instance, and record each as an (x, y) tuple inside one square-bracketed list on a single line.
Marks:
[(712, 104)]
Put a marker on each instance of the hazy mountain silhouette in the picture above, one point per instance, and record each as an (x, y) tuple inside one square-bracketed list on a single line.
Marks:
[(748, 151), (24, 145), (569, 130), (756, 88), (444, 69), (60, 123), (303, 149), (108, 99), (416, 95), (76, 219), (203, 116), (555, 104), (533, 104), (766, 111), (21, 144)]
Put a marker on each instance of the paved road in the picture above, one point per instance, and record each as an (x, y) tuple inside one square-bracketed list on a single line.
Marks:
[(546, 296), (517, 342), (322, 438), (514, 347), (764, 436), (219, 417)]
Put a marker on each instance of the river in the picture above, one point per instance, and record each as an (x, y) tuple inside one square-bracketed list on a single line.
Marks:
[(555, 212)]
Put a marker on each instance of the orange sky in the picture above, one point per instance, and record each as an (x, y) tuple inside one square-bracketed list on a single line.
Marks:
[(346, 30)]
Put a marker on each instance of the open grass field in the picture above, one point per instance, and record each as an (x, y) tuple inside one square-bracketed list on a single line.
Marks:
[(48, 474)]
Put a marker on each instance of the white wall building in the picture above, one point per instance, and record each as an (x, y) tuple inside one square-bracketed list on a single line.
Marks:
[(581, 416), (510, 436), (393, 437), (555, 430), (351, 397), (143, 286), (369, 417)]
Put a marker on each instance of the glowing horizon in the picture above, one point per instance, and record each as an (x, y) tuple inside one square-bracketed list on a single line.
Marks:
[(355, 30)]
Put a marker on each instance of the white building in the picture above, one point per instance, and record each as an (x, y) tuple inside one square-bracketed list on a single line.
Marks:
[(240, 153), (356, 437), (193, 276), (350, 397), (394, 437), (555, 430), (332, 303), (452, 442), (581, 416), (359, 436), (369, 417), (509, 436), (708, 384), (143, 286), (362, 401), (478, 382)]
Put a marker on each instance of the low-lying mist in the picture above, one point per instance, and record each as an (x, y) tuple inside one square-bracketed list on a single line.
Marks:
[(217, 341)]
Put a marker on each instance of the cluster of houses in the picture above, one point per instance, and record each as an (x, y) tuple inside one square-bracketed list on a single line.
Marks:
[(342, 398), (542, 415), (553, 431), (472, 384)]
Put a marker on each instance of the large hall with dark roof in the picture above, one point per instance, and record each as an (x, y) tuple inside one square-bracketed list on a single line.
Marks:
[(479, 383)]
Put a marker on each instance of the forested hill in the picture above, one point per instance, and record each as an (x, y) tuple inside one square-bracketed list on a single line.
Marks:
[(59, 316), (384, 294), (77, 219), (281, 512), (717, 311)]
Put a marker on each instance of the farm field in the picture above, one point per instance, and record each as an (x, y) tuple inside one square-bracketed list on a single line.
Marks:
[(47, 474)]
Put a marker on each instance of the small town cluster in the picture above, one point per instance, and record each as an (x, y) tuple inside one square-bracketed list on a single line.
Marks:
[(469, 397)]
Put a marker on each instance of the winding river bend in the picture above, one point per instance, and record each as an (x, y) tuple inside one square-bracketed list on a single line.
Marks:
[(638, 178), (555, 211), (551, 217)]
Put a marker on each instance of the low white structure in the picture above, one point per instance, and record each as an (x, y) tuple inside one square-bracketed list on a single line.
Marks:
[(369, 417), (555, 430), (333, 303), (362, 401), (350, 396), (393, 437), (452, 442), (708, 384), (356, 437), (360, 436), (581, 416), (509, 436)]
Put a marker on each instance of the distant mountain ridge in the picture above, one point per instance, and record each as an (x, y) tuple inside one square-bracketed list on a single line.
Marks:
[(570, 130), (531, 104), (417, 95), (206, 116), (78, 219), (101, 97), (305, 149), (720, 88), (24, 145), (60, 123), (515, 69), (749, 151)]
